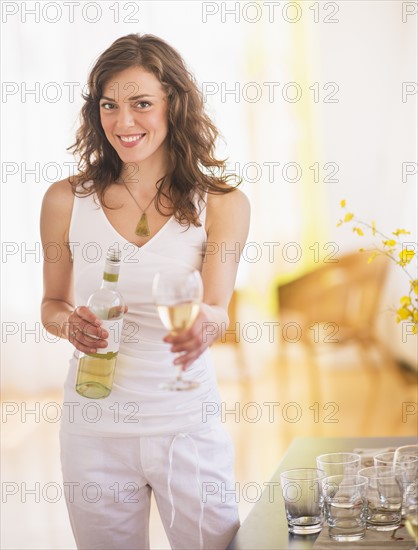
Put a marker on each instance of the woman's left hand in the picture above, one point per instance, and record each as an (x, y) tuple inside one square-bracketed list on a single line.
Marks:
[(210, 322), (227, 226)]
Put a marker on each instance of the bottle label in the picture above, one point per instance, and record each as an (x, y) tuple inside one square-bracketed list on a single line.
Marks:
[(114, 328), (110, 277)]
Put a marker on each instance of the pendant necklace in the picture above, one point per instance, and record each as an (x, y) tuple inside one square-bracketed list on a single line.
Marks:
[(142, 227)]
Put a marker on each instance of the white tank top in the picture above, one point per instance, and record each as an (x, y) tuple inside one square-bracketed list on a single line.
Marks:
[(136, 406)]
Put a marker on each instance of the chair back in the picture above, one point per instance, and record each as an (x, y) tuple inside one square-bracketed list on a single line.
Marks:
[(346, 292)]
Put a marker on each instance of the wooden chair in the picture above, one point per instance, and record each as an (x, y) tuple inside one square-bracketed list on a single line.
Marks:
[(333, 305), (345, 294)]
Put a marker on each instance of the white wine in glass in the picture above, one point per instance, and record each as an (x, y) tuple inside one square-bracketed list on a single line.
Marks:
[(411, 523), (178, 295), (411, 520), (407, 458), (179, 316)]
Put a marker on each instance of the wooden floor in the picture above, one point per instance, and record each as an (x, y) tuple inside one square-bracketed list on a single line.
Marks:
[(268, 398)]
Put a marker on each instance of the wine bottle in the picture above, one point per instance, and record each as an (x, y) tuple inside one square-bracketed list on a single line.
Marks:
[(96, 370)]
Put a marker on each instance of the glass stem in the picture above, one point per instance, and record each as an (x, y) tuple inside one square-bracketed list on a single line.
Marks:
[(179, 368)]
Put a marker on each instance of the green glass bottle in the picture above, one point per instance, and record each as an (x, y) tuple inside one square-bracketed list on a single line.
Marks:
[(96, 370)]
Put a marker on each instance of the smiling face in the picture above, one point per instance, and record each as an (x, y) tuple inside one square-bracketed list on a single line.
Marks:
[(133, 114)]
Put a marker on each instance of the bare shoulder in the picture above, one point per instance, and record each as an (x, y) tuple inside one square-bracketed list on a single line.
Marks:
[(59, 194), (226, 207), (57, 207)]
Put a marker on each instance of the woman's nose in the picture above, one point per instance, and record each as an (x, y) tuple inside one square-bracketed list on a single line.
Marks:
[(125, 117)]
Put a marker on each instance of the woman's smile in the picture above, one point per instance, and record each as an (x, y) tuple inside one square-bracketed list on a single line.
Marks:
[(131, 140)]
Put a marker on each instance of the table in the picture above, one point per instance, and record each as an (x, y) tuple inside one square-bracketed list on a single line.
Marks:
[(266, 526)]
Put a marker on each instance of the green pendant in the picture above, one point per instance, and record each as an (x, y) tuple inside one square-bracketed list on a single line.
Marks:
[(142, 229)]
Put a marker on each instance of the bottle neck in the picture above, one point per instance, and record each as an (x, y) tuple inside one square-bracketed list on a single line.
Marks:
[(111, 275)]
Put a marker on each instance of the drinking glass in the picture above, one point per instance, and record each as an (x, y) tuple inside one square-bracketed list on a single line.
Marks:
[(384, 459), (407, 463), (345, 506), (406, 450), (302, 494), (384, 497), (178, 294), (335, 464)]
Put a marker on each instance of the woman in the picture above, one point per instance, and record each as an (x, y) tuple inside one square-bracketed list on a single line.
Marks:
[(146, 147)]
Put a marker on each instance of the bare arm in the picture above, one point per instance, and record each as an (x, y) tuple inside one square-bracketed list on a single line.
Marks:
[(58, 313), (228, 218)]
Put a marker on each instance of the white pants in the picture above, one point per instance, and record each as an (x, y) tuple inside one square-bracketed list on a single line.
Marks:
[(108, 483)]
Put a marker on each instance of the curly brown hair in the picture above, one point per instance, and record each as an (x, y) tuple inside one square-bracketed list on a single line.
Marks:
[(191, 137)]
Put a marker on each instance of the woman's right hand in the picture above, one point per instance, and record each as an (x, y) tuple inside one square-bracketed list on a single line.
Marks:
[(85, 332)]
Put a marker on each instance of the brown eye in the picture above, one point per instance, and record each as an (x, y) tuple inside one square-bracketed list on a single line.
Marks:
[(143, 104)]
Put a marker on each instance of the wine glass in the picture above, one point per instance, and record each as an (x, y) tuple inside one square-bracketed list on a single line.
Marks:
[(178, 294), (411, 520), (407, 457)]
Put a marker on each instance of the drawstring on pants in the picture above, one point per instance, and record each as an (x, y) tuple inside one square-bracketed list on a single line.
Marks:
[(170, 472)]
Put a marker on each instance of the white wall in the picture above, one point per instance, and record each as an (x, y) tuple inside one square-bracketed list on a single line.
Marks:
[(371, 133)]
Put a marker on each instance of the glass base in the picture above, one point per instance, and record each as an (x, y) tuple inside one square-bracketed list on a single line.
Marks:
[(178, 384), (305, 526), (344, 537), (383, 527), (93, 390)]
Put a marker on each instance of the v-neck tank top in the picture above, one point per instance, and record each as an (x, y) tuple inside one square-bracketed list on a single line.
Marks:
[(136, 405)]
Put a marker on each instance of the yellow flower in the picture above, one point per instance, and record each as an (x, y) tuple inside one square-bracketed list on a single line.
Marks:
[(393, 249), (373, 228), (401, 232), (403, 313), (405, 256)]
